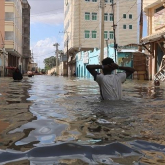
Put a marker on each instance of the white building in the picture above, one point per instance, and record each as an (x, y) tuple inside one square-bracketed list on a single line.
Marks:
[(82, 25)]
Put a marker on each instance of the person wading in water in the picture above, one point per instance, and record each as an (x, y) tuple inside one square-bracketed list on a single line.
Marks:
[(110, 84), (17, 75)]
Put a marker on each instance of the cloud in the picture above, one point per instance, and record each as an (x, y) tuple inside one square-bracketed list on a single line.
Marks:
[(43, 49), (47, 11), (48, 19)]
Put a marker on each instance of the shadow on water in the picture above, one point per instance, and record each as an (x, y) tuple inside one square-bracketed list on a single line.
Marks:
[(63, 121)]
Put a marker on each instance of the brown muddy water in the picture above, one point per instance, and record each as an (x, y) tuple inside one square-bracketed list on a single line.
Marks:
[(47, 120)]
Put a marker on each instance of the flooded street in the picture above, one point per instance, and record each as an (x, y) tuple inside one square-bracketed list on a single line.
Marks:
[(47, 120)]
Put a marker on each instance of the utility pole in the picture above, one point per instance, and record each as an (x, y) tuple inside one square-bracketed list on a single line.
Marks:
[(4, 60), (4, 53), (102, 3), (141, 26), (107, 47), (67, 57), (56, 52), (114, 28), (67, 54)]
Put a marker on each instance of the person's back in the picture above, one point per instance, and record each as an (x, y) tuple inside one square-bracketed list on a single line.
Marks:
[(110, 84), (17, 75)]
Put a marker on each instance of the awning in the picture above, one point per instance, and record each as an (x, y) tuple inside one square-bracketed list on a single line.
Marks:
[(10, 67), (154, 37)]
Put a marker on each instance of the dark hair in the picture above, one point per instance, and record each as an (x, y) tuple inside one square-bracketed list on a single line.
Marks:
[(107, 61)]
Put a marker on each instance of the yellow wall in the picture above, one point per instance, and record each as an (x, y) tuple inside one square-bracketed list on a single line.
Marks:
[(15, 25), (9, 6), (9, 26), (155, 22)]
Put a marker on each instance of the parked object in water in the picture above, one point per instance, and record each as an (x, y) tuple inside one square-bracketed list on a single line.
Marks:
[(17, 75), (157, 83), (74, 74), (30, 74)]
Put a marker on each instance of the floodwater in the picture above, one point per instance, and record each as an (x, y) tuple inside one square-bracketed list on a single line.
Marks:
[(47, 120)]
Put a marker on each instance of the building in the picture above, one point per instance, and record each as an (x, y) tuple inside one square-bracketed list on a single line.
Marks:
[(2, 35), (26, 53), (124, 58), (154, 43), (14, 35), (82, 25)]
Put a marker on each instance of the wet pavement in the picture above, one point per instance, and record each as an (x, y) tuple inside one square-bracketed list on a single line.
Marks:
[(57, 120)]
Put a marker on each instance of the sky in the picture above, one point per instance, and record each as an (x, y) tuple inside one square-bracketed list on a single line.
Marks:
[(46, 28)]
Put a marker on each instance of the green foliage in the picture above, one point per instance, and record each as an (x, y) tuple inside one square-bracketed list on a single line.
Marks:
[(50, 62)]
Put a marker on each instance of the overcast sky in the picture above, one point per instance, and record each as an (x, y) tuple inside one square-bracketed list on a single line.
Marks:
[(47, 17)]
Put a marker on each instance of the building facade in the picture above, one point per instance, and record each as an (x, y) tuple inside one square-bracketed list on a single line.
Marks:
[(154, 43), (82, 25), (26, 53), (2, 35), (14, 35)]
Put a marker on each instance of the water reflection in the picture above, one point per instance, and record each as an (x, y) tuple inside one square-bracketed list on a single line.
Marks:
[(43, 111)]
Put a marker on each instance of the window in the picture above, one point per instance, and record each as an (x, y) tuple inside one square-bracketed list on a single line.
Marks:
[(94, 0), (94, 34), (111, 17), (130, 26), (105, 34), (94, 16), (87, 33), (130, 16), (124, 16), (106, 1), (105, 17), (111, 1), (87, 0), (87, 16), (111, 35), (124, 26)]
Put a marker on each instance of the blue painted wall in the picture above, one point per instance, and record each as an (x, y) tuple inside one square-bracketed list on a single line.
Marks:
[(94, 58), (124, 58)]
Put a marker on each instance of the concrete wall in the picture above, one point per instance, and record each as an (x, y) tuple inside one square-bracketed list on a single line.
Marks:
[(26, 53)]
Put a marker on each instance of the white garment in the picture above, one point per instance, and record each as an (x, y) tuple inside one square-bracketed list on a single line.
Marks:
[(110, 85)]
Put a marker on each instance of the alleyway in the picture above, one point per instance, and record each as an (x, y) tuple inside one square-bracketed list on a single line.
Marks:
[(57, 120)]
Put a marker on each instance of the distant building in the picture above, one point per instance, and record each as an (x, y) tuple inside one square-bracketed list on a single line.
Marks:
[(155, 41), (82, 25), (26, 53)]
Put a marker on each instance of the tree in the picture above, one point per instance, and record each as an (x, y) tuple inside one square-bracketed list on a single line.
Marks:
[(50, 62)]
